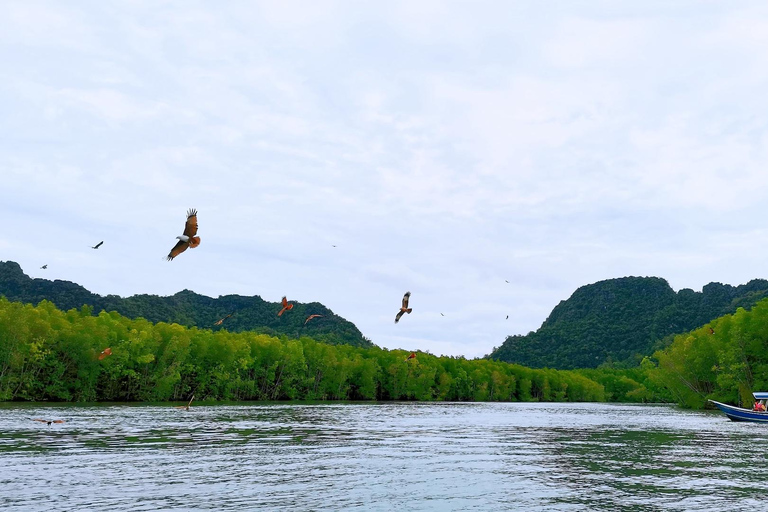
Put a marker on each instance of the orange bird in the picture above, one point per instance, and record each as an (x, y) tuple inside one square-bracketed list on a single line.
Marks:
[(310, 317), (188, 239), (219, 322), (286, 306), (186, 407), (404, 309), (411, 356), (48, 421), (104, 353)]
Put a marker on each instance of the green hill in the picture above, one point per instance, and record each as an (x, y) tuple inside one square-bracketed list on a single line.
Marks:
[(621, 320), (187, 308)]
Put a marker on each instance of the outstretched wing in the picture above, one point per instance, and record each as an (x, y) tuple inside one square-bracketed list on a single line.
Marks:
[(190, 228), (399, 315), (179, 248), (285, 302), (310, 317), (405, 299)]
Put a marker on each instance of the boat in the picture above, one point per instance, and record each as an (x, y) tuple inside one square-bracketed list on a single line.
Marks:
[(741, 414)]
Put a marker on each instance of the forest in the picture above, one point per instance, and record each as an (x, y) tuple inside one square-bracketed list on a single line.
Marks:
[(725, 360), (188, 308), (618, 322), (49, 354)]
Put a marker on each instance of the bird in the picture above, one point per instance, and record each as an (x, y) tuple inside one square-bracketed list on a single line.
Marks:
[(711, 331), (104, 353), (219, 322), (506, 281), (507, 318), (412, 355), (44, 267), (48, 421), (442, 314), (310, 317), (188, 239), (286, 306), (97, 245), (186, 407), (404, 308)]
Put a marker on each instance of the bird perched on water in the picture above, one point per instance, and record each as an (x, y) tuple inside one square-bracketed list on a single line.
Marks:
[(404, 308), (186, 407), (286, 307), (310, 317), (104, 353), (48, 421), (188, 239), (97, 245), (44, 267), (219, 322)]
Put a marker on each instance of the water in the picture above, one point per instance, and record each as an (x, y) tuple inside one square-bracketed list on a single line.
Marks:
[(402, 456)]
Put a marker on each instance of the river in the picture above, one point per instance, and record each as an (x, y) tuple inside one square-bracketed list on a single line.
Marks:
[(391, 456)]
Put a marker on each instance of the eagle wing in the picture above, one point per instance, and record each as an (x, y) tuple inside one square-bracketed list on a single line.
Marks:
[(405, 299), (285, 302), (399, 315), (179, 248), (190, 228)]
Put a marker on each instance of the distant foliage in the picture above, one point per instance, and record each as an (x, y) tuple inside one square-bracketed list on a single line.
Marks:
[(725, 360), (48, 354), (187, 308), (620, 321)]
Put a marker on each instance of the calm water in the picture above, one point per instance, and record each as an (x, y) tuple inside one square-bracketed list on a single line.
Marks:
[(380, 457)]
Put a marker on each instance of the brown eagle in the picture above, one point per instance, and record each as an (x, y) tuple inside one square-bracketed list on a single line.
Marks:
[(286, 306), (188, 239), (219, 322), (49, 421), (404, 309), (104, 353), (186, 407), (310, 317), (412, 355)]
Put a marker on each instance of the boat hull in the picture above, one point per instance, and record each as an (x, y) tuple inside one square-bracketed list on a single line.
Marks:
[(740, 414)]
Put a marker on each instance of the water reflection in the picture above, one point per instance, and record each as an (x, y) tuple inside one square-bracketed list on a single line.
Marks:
[(377, 457)]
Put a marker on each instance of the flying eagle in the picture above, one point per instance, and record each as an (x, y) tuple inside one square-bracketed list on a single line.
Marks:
[(310, 317), (104, 353), (188, 239), (412, 355), (97, 245), (404, 308), (186, 407), (219, 322), (48, 421), (44, 266), (286, 306)]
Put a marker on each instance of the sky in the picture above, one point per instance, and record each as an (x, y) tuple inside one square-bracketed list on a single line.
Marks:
[(490, 157)]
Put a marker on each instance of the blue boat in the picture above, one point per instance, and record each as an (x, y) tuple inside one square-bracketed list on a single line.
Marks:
[(741, 414)]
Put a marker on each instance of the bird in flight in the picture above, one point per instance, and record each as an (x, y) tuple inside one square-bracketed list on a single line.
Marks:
[(44, 267), (507, 318), (219, 322), (97, 245), (186, 407), (310, 317), (442, 314), (104, 353), (188, 239), (404, 309), (286, 307), (48, 421), (412, 355), (506, 281)]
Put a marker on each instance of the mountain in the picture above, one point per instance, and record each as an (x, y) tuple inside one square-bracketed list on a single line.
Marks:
[(621, 320), (188, 308)]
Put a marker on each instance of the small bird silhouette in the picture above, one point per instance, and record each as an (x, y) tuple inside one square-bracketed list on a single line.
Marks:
[(48, 421), (186, 407), (507, 318), (97, 245), (286, 306), (104, 353), (404, 309), (506, 281), (310, 317), (44, 266), (442, 314)]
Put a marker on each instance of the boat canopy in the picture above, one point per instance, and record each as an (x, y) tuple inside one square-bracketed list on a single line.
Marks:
[(760, 395)]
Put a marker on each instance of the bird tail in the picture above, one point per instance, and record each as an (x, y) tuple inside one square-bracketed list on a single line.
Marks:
[(409, 310), (194, 241)]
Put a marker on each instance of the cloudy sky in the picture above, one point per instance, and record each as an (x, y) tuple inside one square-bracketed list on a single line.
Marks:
[(443, 148)]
